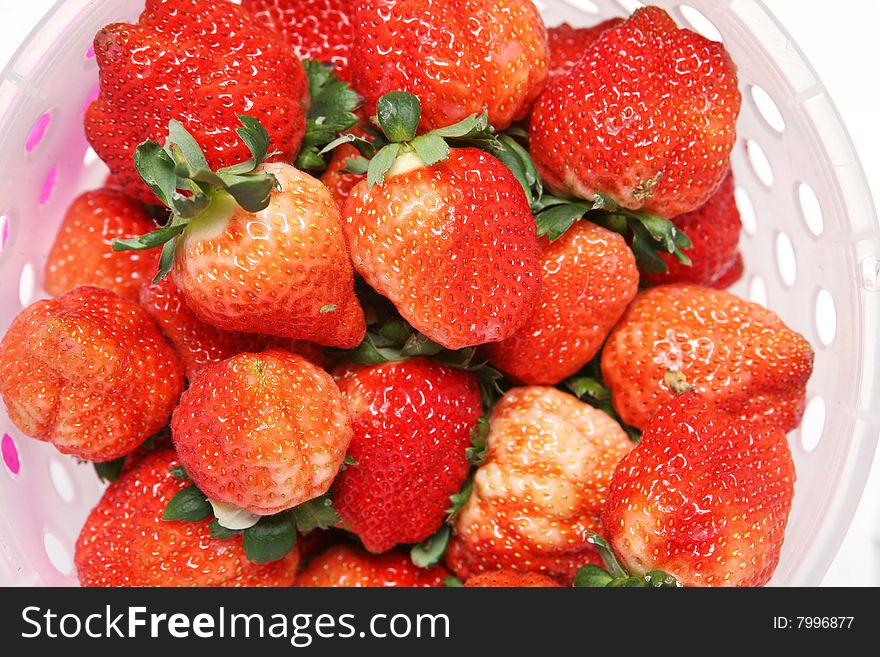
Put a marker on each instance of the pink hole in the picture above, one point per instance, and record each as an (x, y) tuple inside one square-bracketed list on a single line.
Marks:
[(90, 53), (48, 184), (10, 454), (92, 95), (37, 132)]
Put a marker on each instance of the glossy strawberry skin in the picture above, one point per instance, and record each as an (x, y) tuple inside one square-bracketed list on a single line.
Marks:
[(349, 566), (452, 245), (705, 497), (200, 62), (264, 432), (510, 578), (412, 422), (568, 44), (588, 277), (82, 253), (652, 129), (736, 353), (542, 487), (338, 181), (314, 29), (457, 57), (714, 230), (89, 372), (125, 542), (199, 344), (283, 271)]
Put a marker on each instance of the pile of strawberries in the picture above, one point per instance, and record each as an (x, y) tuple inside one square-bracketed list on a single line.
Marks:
[(411, 293)]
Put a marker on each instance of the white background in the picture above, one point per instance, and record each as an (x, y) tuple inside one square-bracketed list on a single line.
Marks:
[(841, 41)]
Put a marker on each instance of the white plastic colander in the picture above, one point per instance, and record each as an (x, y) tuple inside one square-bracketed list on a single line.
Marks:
[(811, 245)]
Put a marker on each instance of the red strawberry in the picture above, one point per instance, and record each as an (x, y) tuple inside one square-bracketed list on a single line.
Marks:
[(739, 354), (458, 57), (713, 229), (452, 245), (197, 343), (568, 44), (314, 29), (510, 578), (348, 566), (542, 487), (646, 117), (338, 181), (263, 432), (89, 372), (125, 542), (589, 276), (704, 496), (199, 61), (82, 253), (412, 423)]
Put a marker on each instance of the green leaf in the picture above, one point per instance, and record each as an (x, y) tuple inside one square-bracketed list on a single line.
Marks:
[(459, 499), (479, 449), (271, 539), (219, 531), (644, 247), (554, 221), (328, 308), (315, 514), (255, 136), (430, 148), (631, 582), (166, 259), (517, 159), (179, 472), (356, 166), (452, 582), (592, 577), (431, 550), (184, 149), (587, 386), (364, 147), (381, 163), (611, 563), (331, 111), (251, 192), (471, 126), (349, 460), (398, 113), (189, 504), (150, 240), (394, 332), (659, 579), (156, 169), (369, 353), (418, 345), (109, 470)]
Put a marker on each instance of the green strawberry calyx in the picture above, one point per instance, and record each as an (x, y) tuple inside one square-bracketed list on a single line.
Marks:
[(264, 538), (201, 200), (614, 575), (400, 149)]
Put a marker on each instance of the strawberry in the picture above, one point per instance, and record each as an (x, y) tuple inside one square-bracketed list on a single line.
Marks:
[(255, 248), (197, 343), (510, 578), (89, 372), (200, 62), (737, 353), (412, 422), (125, 541), (542, 486), (348, 566), (82, 253), (647, 118), (568, 44), (457, 57), (589, 276), (313, 29), (445, 233), (714, 230), (704, 496), (337, 176), (263, 432)]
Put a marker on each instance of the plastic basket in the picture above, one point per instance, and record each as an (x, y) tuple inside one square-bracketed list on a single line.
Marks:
[(811, 245)]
